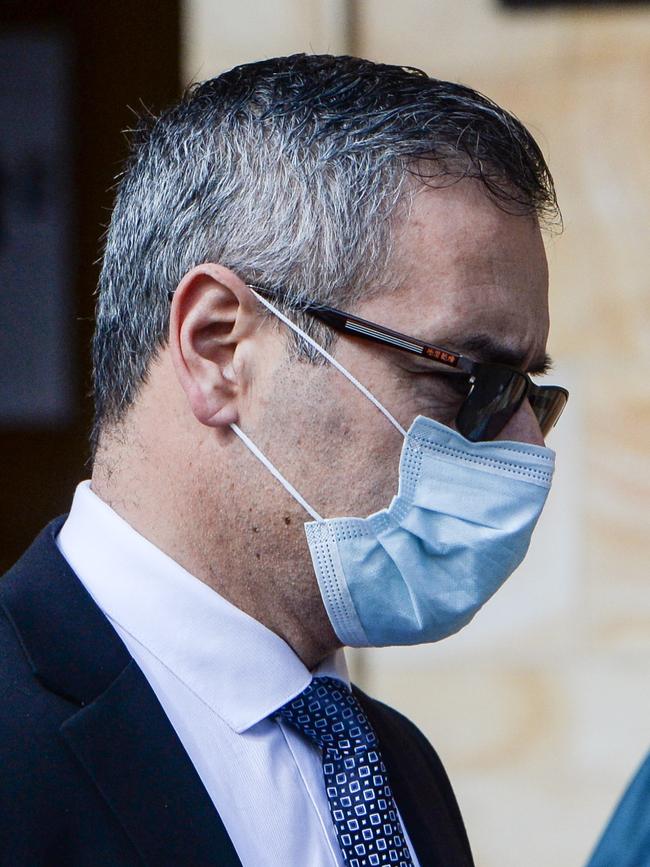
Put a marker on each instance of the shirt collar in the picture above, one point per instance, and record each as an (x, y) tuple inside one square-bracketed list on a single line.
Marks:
[(241, 669)]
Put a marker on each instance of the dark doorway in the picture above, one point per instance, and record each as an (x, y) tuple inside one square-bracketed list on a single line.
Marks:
[(75, 73)]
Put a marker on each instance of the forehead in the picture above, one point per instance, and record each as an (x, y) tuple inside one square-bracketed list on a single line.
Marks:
[(462, 266)]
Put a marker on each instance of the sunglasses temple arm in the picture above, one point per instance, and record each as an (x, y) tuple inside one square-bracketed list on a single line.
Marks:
[(346, 323)]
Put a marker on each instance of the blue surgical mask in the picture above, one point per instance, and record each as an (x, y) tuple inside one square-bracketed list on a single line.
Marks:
[(460, 524)]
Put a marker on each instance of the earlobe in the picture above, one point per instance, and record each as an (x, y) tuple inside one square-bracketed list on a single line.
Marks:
[(212, 316)]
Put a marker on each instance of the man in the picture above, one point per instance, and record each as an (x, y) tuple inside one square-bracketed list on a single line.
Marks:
[(175, 688)]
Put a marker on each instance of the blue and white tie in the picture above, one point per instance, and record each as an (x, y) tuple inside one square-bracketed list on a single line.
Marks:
[(360, 799)]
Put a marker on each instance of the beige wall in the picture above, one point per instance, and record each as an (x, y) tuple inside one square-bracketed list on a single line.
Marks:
[(541, 708)]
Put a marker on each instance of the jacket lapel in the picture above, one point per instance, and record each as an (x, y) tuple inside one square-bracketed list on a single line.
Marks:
[(120, 734), (128, 747)]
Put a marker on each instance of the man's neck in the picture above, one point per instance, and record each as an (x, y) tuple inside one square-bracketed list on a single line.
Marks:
[(259, 575)]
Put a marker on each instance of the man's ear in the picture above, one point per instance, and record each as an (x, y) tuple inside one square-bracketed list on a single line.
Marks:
[(213, 315)]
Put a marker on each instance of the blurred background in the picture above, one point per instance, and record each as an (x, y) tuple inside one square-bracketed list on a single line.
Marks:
[(540, 709)]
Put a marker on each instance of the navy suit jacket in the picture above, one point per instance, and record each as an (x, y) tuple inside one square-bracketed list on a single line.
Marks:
[(92, 772)]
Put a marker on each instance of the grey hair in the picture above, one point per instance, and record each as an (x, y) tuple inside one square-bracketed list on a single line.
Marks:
[(292, 173)]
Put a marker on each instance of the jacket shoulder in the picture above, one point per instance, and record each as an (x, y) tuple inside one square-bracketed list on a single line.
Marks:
[(49, 812), (30, 715), (19, 684)]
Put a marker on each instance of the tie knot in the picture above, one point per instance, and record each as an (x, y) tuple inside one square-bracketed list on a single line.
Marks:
[(328, 713)]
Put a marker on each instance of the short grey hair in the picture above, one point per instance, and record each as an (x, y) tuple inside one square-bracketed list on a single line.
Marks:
[(290, 172)]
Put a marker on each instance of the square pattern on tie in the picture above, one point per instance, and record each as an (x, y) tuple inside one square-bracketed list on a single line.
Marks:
[(356, 783)]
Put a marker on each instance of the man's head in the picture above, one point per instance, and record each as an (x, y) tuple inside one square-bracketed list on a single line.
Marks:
[(414, 202), (297, 173)]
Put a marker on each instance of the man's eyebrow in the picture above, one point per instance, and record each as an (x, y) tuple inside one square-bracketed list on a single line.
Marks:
[(483, 347)]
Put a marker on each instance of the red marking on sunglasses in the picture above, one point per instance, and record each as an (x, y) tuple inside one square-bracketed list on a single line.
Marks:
[(440, 355)]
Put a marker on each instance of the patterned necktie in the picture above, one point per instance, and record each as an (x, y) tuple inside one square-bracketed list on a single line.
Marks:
[(360, 800)]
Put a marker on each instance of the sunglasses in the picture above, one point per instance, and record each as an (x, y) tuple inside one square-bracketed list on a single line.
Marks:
[(492, 392)]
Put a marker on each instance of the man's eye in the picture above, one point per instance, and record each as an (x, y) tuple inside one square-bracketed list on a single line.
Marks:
[(455, 384), (458, 383), (443, 385)]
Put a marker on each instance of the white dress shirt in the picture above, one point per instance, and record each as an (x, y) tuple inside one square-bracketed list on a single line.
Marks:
[(218, 674)]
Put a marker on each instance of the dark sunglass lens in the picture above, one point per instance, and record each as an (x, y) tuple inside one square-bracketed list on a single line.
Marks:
[(496, 396), (548, 403)]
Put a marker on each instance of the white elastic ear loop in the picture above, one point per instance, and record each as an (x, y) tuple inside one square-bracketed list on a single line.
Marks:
[(275, 472), (331, 360), (260, 455)]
